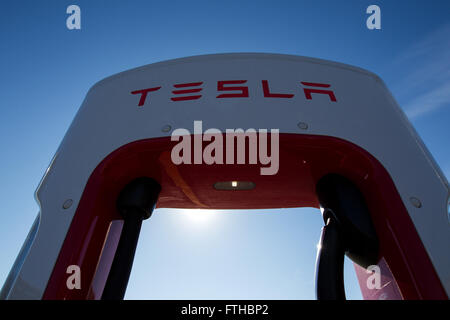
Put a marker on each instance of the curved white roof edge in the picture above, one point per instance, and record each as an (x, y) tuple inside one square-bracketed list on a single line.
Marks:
[(282, 56), (240, 55)]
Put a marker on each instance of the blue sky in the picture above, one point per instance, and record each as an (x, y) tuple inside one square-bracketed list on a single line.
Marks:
[(46, 70)]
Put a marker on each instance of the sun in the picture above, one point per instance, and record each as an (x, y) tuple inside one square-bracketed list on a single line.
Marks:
[(199, 217)]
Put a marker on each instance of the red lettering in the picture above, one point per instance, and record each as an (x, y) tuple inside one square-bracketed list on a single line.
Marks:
[(221, 87), (186, 91), (268, 94), (309, 91), (190, 91), (143, 93)]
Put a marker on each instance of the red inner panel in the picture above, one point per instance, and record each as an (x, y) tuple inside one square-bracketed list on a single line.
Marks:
[(303, 160)]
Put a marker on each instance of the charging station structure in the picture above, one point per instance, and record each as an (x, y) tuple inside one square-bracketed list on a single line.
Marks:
[(344, 146)]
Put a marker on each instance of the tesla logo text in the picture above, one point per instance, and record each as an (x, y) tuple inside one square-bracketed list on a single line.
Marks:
[(234, 89)]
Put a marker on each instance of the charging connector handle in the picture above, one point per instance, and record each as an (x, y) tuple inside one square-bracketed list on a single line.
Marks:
[(135, 203)]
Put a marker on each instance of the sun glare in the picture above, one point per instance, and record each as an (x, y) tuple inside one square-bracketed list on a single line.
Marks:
[(199, 217)]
